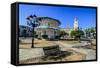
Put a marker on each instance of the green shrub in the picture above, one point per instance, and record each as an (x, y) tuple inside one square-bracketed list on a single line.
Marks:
[(45, 36), (57, 37), (39, 38), (36, 36)]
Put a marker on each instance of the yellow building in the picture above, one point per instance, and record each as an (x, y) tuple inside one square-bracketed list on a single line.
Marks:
[(48, 26)]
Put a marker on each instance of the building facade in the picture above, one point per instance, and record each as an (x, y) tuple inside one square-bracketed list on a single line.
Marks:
[(25, 31), (48, 26)]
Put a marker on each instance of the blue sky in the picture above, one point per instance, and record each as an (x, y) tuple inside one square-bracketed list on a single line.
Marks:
[(66, 15)]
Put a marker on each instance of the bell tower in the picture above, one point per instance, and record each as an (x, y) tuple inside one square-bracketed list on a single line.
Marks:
[(76, 23)]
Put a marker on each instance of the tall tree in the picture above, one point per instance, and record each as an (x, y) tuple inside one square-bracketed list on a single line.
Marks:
[(77, 34)]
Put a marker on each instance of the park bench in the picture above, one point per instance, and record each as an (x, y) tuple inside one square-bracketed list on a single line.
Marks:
[(54, 52)]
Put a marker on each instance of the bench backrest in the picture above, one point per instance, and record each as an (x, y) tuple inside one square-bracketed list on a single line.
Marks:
[(51, 50)]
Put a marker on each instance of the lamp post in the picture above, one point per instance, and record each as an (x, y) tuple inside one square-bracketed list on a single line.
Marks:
[(32, 21)]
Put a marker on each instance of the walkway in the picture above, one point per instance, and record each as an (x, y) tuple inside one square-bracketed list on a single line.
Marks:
[(90, 53)]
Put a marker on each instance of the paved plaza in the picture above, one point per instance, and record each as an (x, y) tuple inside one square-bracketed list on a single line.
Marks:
[(27, 54)]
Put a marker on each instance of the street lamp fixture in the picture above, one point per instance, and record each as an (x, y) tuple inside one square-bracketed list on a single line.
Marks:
[(32, 21)]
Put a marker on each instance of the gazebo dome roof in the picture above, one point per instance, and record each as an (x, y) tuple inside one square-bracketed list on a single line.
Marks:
[(41, 18)]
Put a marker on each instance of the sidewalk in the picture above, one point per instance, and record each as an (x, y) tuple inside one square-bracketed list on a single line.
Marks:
[(90, 53)]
